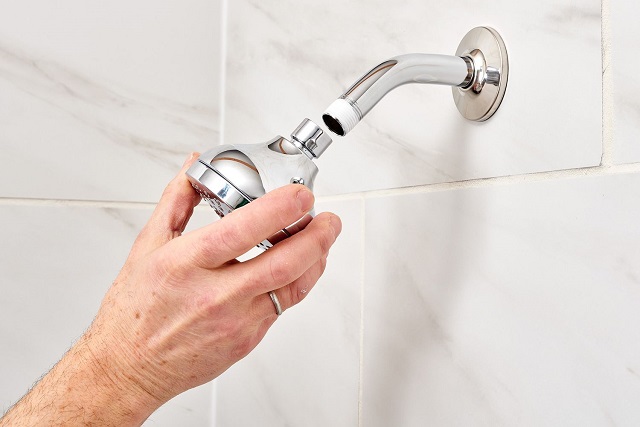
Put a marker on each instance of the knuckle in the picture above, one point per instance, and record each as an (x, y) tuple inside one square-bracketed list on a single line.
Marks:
[(287, 208), (212, 245), (283, 215), (242, 347), (324, 240), (227, 238), (307, 282), (295, 294), (213, 306), (170, 189), (238, 333), (279, 271), (256, 309), (161, 268), (174, 270), (206, 304)]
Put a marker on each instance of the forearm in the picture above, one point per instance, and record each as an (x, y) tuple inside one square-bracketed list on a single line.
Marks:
[(82, 389)]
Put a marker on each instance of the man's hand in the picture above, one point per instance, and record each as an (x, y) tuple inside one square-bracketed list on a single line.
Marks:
[(182, 310)]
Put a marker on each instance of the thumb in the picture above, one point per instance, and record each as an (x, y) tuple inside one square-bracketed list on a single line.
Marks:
[(171, 215)]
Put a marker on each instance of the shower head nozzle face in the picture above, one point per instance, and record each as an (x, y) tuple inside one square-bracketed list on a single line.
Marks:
[(215, 189), (223, 196)]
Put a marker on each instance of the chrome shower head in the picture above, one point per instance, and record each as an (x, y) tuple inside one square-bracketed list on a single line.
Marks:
[(231, 176)]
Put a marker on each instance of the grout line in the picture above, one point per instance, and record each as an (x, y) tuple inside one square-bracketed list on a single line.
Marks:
[(363, 246), (224, 11), (18, 201), (487, 182), (213, 411), (608, 142), (92, 204), (427, 188), (224, 8)]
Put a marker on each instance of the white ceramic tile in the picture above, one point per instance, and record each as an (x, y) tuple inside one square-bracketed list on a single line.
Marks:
[(306, 370), (103, 101), (507, 305), (625, 32), (286, 62), (56, 263), (191, 408)]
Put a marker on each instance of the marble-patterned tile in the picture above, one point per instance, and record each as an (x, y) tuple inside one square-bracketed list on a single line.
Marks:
[(306, 370), (56, 263), (286, 62), (102, 101), (192, 408), (506, 305), (626, 95)]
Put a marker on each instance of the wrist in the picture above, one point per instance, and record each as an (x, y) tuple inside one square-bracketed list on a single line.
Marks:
[(114, 377), (86, 387)]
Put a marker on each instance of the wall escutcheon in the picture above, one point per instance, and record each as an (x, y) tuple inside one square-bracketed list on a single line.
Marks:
[(485, 50)]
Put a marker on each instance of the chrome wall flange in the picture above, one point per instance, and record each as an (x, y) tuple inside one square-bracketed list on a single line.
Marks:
[(485, 51)]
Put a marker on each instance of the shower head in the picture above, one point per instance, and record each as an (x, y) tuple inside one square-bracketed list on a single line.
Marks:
[(231, 176)]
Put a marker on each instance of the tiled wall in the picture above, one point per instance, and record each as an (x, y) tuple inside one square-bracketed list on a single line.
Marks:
[(57, 261), (488, 274), (496, 266), (286, 60), (100, 103)]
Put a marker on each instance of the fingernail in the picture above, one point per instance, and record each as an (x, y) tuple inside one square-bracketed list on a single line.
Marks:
[(336, 224), (305, 199)]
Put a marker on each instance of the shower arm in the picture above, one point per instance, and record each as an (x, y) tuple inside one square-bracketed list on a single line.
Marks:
[(478, 74)]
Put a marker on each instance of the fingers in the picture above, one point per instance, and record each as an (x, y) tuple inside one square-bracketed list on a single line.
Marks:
[(176, 204), (171, 215), (290, 259), (238, 232), (293, 293)]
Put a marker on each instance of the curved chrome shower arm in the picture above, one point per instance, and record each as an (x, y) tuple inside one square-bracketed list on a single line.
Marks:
[(480, 62), (367, 91)]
